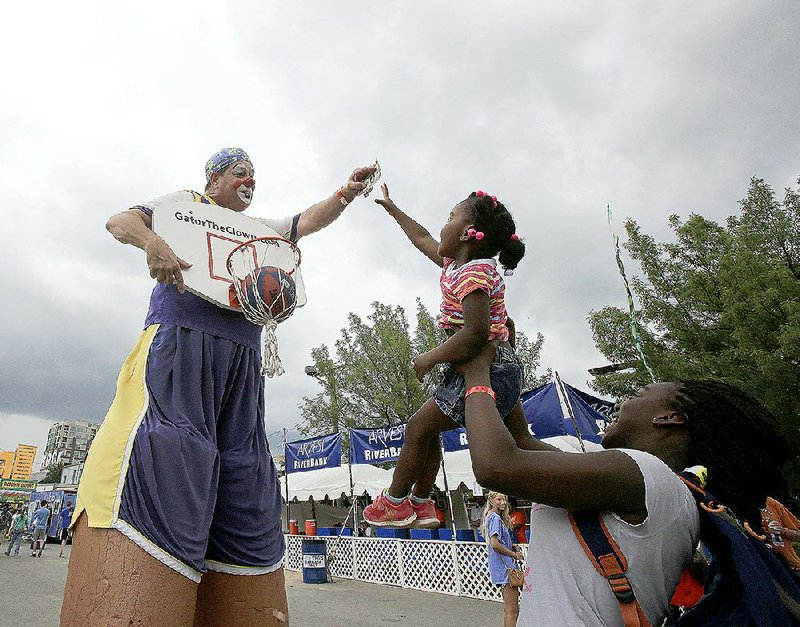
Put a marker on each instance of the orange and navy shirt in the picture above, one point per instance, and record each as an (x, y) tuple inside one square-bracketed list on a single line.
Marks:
[(459, 281), (775, 510)]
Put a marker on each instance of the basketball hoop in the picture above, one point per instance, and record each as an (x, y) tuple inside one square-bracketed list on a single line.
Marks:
[(267, 287)]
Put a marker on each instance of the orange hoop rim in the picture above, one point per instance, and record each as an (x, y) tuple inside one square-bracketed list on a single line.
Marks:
[(295, 249)]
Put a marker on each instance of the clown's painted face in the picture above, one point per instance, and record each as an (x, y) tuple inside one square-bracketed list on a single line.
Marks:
[(243, 173), (234, 188)]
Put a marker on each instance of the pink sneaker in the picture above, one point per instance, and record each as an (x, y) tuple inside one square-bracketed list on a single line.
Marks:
[(383, 513), (426, 515)]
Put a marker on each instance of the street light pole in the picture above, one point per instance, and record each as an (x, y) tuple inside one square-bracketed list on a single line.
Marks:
[(330, 383)]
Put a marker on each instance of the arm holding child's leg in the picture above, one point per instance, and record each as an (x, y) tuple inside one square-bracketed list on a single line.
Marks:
[(518, 427), (415, 232), (466, 343)]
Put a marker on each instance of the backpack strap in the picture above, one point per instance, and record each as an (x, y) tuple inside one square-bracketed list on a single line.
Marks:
[(608, 560)]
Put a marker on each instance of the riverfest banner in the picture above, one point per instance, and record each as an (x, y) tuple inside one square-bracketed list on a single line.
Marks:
[(372, 446), (314, 453)]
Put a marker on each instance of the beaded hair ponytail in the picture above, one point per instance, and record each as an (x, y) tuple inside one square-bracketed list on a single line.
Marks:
[(500, 233)]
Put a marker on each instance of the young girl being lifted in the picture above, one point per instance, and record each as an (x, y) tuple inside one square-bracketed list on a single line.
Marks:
[(473, 312)]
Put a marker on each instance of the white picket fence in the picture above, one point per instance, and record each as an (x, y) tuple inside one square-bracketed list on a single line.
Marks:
[(447, 567)]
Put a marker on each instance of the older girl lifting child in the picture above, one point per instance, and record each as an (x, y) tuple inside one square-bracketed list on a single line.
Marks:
[(473, 313)]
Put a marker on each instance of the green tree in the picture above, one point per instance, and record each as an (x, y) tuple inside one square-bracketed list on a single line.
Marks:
[(529, 353), (721, 301), (53, 473), (371, 381)]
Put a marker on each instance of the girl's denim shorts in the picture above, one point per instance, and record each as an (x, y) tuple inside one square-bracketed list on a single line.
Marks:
[(506, 375)]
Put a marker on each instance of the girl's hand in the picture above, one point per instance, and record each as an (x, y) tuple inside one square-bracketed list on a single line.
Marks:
[(422, 366), (387, 203)]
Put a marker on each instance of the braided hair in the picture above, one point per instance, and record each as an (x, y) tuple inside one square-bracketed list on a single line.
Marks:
[(491, 217), (738, 440)]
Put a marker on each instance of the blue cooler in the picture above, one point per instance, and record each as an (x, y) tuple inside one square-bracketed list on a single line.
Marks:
[(315, 561), (424, 534), (392, 532), (465, 535), (334, 531)]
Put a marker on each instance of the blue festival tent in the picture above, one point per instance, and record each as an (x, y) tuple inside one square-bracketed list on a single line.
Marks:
[(543, 411)]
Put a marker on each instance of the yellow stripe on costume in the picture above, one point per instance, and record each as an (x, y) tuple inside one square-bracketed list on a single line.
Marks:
[(106, 465)]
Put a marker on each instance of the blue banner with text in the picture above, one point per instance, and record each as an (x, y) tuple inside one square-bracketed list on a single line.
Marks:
[(314, 453), (455, 440), (372, 446)]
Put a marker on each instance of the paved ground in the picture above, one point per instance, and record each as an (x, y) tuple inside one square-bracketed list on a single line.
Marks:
[(31, 590)]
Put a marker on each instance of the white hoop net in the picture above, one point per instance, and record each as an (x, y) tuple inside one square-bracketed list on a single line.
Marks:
[(268, 287)]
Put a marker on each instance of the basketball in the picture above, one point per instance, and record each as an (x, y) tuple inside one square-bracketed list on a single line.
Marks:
[(267, 289)]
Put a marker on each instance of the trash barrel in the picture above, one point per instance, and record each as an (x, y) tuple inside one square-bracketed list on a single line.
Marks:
[(293, 530), (311, 527), (315, 567)]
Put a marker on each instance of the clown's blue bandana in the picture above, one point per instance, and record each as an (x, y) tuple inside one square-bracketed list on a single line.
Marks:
[(223, 158)]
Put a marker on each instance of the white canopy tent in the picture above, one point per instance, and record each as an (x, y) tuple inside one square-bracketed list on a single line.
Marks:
[(334, 481), (371, 479), (459, 465)]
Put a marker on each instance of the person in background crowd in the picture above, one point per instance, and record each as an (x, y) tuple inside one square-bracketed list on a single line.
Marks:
[(518, 526), (16, 528), (782, 528), (496, 529), (39, 523), (64, 519), (475, 509)]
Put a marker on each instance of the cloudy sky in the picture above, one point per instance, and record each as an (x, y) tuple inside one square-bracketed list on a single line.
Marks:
[(558, 108)]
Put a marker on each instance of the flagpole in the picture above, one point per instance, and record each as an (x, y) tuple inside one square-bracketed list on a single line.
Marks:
[(352, 489), (569, 411), (286, 478), (447, 490)]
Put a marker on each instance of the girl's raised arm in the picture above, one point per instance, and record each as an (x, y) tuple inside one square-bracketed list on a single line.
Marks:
[(417, 233)]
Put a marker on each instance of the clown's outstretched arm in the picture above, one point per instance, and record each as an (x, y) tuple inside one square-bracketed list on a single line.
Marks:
[(320, 215), (135, 227)]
